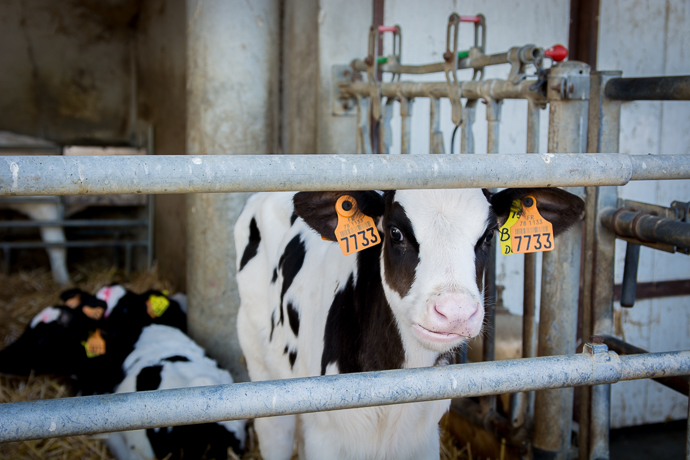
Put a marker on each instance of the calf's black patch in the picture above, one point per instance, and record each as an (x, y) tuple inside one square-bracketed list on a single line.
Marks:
[(149, 378), (292, 356), (177, 359), (253, 245), (361, 332), (290, 264), (205, 441), (293, 318), (400, 260)]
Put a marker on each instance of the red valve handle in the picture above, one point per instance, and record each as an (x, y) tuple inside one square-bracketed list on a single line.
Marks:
[(383, 29), (557, 52), (474, 19)]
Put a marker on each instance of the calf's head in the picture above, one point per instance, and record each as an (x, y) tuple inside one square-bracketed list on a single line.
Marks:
[(435, 246)]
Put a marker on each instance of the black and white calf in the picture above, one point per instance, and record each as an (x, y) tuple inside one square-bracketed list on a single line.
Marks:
[(307, 310), (165, 358)]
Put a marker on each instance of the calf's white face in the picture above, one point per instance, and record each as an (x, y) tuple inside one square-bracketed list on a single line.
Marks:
[(435, 247)]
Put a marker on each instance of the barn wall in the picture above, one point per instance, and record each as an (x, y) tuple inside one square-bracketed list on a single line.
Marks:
[(649, 38), (162, 59), (67, 69)]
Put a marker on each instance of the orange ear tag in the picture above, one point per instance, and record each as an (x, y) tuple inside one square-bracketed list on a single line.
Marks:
[(531, 233), (504, 232), (95, 345), (355, 231)]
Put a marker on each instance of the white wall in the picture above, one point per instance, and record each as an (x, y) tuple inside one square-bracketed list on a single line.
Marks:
[(641, 38), (650, 38)]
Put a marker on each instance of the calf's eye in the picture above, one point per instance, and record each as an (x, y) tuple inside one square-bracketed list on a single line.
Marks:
[(489, 236), (396, 235)]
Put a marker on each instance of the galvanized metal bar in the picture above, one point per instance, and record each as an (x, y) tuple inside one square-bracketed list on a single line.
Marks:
[(680, 384), (522, 409), (155, 174), (560, 272), (647, 228), (603, 132), (675, 88), (655, 167), (483, 89), (150, 409)]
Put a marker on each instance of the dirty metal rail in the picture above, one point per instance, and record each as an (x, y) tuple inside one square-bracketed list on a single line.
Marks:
[(675, 88), (160, 174), (149, 409)]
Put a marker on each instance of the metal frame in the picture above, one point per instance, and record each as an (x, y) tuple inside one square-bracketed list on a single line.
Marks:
[(151, 409), (570, 92)]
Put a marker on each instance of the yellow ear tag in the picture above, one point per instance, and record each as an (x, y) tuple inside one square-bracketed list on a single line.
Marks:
[(355, 231), (531, 233), (504, 231), (156, 305), (95, 345)]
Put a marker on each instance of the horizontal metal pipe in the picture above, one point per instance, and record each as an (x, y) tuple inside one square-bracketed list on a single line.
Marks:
[(150, 409), (680, 384), (161, 174), (655, 167), (526, 54), (484, 89), (649, 89), (70, 244), (73, 223), (647, 228)]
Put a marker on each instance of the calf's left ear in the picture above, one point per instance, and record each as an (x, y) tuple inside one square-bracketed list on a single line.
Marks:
[(318, 209), (559, 207)]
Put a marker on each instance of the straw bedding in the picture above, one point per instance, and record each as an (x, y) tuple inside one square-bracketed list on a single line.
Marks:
[(25, 294)]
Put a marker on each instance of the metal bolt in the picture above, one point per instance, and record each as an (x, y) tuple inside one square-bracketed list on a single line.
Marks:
[(596, 339), (571, 88), (447, 56), (346, 106), (369, 60), (528, 202), (347, 205)]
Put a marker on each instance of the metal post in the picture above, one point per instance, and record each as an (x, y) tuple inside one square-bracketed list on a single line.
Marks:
[(405, 124), (603, 133), (363, 126), (522, 408), (467, 138), (230, 60), (493, 118), (385, 135), (568, 91), (435, 134), (150, 202)]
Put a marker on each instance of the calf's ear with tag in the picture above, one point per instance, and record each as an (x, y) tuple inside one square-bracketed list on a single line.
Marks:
[(318, 209), (561, 208)]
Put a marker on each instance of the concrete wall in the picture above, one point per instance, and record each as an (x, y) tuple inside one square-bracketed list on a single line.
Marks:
[(162, 68), (67, 69), (650, 38)]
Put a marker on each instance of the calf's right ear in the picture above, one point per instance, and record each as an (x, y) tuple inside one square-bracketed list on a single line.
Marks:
[(318, 209)]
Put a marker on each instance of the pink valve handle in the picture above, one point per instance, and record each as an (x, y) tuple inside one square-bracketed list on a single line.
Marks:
[(383, 29), (557, 52), (474, 19)]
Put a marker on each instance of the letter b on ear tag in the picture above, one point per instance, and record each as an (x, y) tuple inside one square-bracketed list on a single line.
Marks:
[(355, 231)]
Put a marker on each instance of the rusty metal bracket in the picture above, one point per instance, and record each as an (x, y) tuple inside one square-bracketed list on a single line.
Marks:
[(342, 104), (450, 68)]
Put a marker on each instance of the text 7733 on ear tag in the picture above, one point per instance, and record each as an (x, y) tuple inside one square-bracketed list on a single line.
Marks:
[(531, 233), (355, 231)]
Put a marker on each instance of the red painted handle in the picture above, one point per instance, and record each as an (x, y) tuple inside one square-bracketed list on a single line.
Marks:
[(383, 29), (474, 19), (557, 52)]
